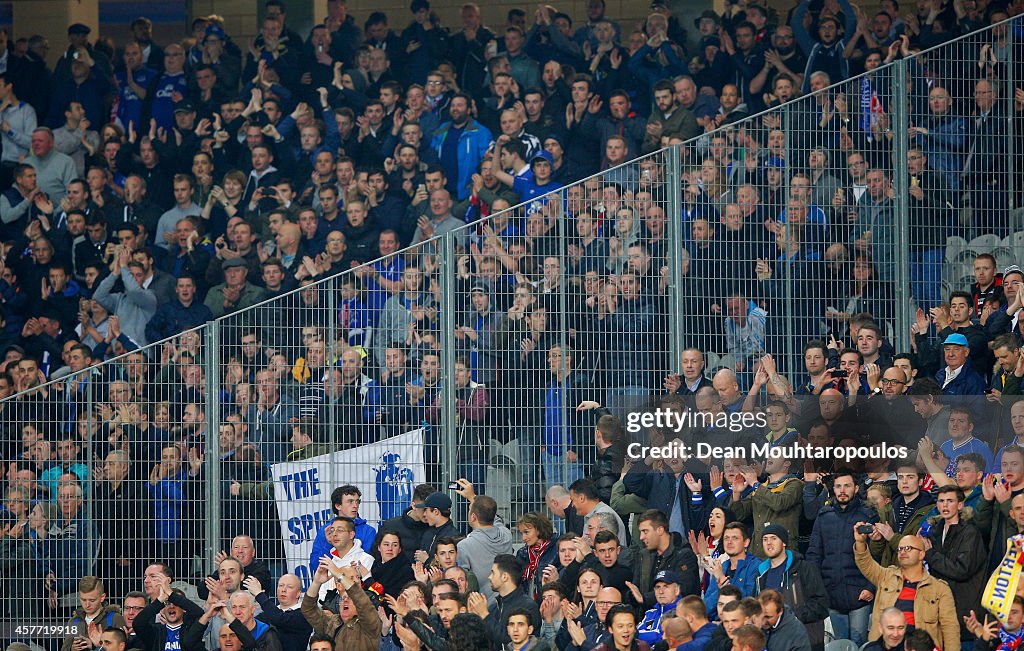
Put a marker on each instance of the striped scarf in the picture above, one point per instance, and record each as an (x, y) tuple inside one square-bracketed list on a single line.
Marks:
[(1010, 641), (534, 553)]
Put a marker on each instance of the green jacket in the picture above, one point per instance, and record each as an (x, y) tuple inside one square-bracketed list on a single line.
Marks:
[(251, 295), (778, 503), (885, 551), (626, 504), (682, 123)]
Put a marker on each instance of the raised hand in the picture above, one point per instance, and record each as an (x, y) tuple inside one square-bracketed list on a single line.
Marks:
[(253, 585), (477, 604), (579, 638), (635, 591), (693, 484)]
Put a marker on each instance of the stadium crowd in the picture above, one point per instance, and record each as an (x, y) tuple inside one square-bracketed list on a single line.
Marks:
[(148, 189)]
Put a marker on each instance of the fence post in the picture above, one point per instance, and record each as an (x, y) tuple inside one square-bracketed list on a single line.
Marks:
[(211, 362), (90, 463), (900, 124), (1012, 70), (563, 342), (788, 349), (674, 199), (332, 362), (447, 438)]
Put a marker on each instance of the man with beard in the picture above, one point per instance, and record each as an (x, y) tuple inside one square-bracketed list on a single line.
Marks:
[(461, 144), (668, 119), (850, 594)]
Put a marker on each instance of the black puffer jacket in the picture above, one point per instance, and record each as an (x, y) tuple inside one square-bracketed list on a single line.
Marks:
[(607, 468), (831, 550)]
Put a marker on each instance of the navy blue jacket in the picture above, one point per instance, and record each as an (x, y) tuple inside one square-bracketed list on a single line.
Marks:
[(291, 626), (659, 489), (172, 318), (968, 383), (829, 551), (548, 557)]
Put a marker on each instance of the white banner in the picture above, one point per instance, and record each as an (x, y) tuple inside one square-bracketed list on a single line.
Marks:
[(385, 472)]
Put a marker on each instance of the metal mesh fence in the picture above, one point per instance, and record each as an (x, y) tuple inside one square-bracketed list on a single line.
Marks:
[(104, 470), (487, 351)]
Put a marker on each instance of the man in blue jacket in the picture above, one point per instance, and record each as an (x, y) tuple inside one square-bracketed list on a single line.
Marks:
[(667, 585), (181, 314), (831, 550), (345, 501), (957, 377), (736, 567), (692, 609), (461, 145)]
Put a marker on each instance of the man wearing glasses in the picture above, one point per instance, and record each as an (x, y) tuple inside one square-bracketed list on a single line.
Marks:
[(903, 427), (925, 601), (172, 87), (134, 603)]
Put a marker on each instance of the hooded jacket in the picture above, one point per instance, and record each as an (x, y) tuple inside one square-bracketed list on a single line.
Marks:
[(110, 616), (788, 634), (803, 592), (263, 637), (478, 549), (959, 560), (831, 550)]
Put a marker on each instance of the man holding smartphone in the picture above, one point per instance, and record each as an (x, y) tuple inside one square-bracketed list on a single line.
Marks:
[(93, 616)]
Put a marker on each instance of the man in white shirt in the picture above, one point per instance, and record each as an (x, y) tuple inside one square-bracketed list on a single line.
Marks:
[(345, 550)]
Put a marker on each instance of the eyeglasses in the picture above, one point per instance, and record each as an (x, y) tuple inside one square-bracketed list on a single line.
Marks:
[(907, 548), (890, 382)]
